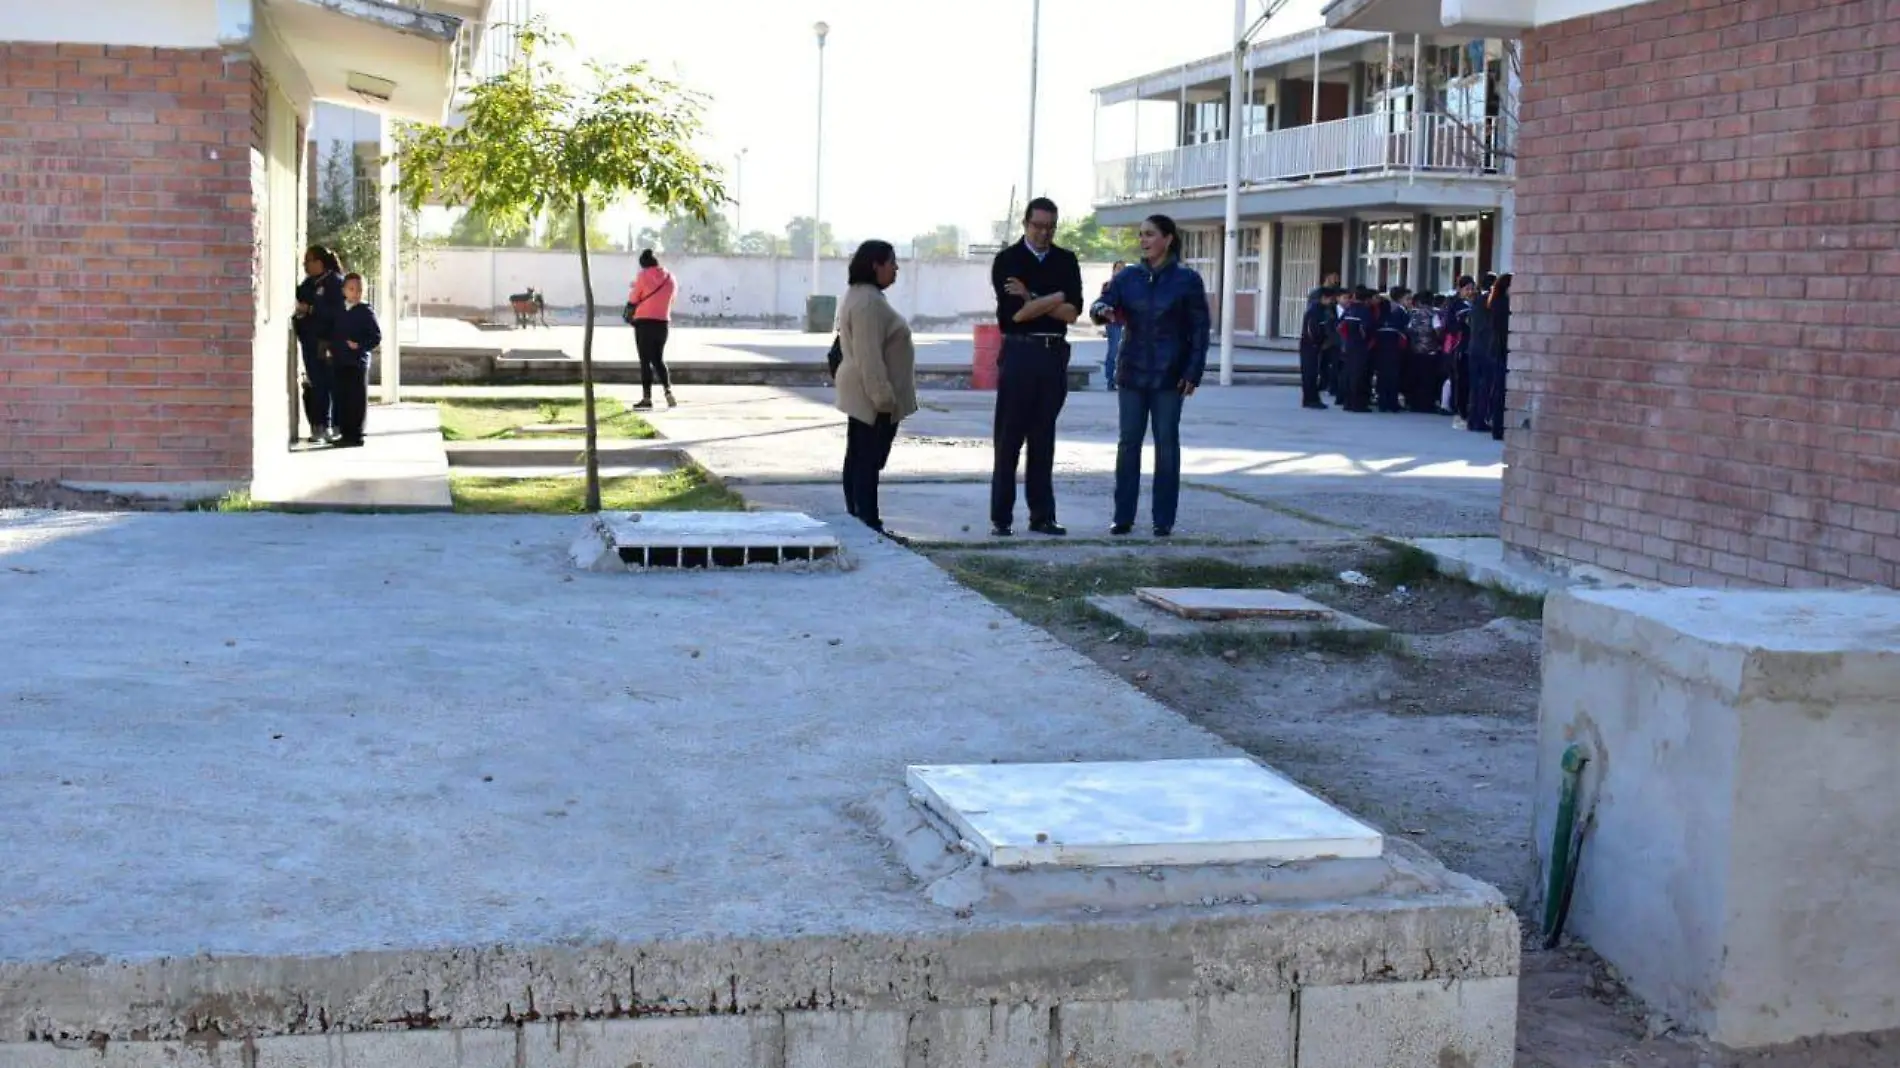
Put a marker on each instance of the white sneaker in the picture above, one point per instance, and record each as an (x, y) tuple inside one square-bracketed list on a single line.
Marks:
[(1457, 422)]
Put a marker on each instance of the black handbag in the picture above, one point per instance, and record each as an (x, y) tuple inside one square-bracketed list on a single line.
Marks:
[(835, 356)]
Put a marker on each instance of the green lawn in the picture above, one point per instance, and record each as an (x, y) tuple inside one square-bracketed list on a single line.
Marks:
[(476, 420), (685, 490)]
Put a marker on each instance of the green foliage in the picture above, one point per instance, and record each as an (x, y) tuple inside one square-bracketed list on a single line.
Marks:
[(1094, 243), (346, 219), (532, 146), (563, 231), (475, 230), (687, 236), (943, 243), (798, 238), (760, 243)]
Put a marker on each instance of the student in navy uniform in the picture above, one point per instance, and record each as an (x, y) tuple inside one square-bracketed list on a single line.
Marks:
[(1457, 318), (319, 300), (1499, 367), (1391, 339), (1038, 294), (1319, 346), (1480, 346), (355, 337), (1355, 352), (1424, 379)]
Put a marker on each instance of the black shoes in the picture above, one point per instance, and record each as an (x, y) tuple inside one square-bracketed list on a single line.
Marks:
[(1121, 530), (1318, 406), (644, 404), (1164, 532), (1001, 531), (1050, 528)]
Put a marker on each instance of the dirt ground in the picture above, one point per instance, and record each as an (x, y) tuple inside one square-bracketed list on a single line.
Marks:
[(1433, 738), (52, 495)]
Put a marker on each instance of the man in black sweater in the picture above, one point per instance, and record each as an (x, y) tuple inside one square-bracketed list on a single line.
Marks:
[(1038, 294)]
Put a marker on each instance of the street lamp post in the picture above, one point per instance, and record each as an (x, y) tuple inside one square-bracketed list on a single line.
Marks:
[(1035, 60), (818, 168), (738, 198)]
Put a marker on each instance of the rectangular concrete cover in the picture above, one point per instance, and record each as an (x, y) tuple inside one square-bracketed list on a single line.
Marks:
[(1137, 813), (757, 530), (1233, 604)]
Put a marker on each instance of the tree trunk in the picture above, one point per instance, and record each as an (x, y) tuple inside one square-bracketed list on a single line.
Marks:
[(587, 362)]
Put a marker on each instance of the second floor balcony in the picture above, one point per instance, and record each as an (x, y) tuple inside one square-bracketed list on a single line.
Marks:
[(1363, 146)]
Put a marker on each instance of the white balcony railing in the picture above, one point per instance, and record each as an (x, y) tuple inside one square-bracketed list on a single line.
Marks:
[(1366, 145)]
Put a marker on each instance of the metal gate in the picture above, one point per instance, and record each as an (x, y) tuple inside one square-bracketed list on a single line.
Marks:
[(1300, 273)]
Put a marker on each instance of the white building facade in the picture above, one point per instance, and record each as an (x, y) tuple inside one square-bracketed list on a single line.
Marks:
[(1382, 158)]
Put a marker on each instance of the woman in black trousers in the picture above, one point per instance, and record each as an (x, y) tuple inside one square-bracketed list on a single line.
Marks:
[(650, 310)]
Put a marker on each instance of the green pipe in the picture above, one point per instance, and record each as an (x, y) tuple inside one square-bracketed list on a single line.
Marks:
[(1560, 859)]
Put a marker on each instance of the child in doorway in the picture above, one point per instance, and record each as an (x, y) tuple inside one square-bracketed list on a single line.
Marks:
[(357, 335)]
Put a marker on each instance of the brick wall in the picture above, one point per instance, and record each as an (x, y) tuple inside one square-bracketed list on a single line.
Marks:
[(125, 264), (1708, 262)]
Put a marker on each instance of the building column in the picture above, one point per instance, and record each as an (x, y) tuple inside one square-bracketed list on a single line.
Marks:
[(1421, 250), (388, 288)]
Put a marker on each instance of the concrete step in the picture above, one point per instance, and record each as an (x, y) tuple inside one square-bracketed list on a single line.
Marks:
[(561, 453)]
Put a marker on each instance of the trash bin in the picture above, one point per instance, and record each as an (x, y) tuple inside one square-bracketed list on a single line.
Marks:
[(988, 347), (821, 314)]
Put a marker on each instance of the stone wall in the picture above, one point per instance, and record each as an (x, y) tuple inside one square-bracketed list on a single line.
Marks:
[(1705, 383), (126, 247)]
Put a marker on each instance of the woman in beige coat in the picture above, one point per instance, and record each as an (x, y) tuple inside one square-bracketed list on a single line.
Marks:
[(877, 379)]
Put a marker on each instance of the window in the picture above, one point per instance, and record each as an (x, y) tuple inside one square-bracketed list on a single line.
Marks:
[(1386, 259), (1200, 249), (1454, 251)]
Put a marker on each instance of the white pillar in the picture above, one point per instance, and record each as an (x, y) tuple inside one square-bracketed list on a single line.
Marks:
[(1312, 125), (388, 288), (1416, 111), (1230, 260), (818, 166)]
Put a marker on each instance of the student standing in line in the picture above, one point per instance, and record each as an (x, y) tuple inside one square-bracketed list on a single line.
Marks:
[(1163, 305), (1391, 339), (650, 310), (877, 377), (1424, 377), (1500, 309), (319, 301), (1482, 347), (1112, 329), (356, 336), (1458, 346), (1355, 351), (1038, 294), (1319, 346)]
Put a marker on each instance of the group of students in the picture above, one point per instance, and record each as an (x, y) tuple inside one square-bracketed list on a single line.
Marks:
[(336, 333), (1404, 351)]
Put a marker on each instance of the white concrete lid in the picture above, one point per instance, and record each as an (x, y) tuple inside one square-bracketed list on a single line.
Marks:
[(1775, 621), (632, 530), (1202, 603), (1127, 814)]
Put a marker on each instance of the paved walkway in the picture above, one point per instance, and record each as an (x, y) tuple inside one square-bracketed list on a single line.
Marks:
[(402, 467), (1255, 464)]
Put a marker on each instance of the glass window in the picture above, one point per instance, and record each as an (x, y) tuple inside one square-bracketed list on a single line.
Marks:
[(1386, 256), (1454, 250)]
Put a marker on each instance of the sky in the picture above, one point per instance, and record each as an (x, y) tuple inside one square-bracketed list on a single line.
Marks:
[(926, 104)]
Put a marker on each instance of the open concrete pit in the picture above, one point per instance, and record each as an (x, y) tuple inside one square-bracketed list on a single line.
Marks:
[(327, 790)]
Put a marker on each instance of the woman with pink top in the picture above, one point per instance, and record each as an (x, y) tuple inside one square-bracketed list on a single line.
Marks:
[(650, 309)]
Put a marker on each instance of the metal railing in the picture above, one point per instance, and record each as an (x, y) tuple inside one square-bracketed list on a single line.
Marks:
[(1365, 145)]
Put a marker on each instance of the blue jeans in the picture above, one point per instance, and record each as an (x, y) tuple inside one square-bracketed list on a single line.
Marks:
[(1141, 407), (1114, 349)]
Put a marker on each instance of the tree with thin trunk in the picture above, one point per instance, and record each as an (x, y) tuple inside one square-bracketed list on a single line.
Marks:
[(532, 144)]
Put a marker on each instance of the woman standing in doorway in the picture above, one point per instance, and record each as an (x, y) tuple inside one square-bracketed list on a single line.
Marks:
[(1165, 322), (319, 302), (650, 310), (877, 379)]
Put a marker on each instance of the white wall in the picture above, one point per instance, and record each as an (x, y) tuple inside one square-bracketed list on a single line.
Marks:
[(151, 23), (738, 289)]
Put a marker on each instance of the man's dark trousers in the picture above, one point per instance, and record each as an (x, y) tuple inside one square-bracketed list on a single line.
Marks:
[(1033, 387)]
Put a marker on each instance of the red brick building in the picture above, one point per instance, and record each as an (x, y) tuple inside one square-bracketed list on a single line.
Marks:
[(1705, 371), (151, 214)]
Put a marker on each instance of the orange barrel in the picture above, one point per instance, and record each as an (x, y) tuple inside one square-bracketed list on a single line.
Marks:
[(988, 349)]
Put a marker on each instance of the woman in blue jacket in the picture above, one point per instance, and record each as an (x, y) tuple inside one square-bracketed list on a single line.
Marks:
[(1164, 314)]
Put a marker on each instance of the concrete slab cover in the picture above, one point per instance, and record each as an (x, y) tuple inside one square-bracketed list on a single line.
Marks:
[(1131, 814), (758, 530), (1233, 604), (1159, 626)]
